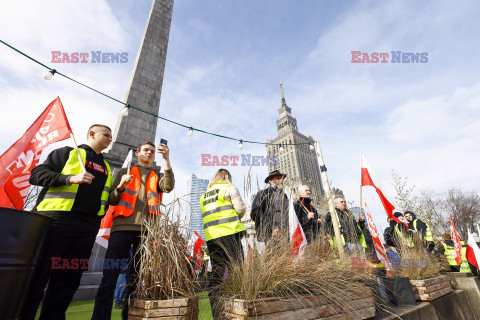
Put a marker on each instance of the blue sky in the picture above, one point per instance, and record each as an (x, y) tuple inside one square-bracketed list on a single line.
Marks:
[(224, 64)]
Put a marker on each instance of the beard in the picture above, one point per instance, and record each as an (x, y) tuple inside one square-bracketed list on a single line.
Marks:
[(278, 186)]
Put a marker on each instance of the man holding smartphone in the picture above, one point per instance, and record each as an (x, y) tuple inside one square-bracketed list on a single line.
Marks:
[(137, 196)]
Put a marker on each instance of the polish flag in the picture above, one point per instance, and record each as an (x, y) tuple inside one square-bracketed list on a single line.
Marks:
[(369, 179), (473, 252), (195, 245), (107, 221), (297, 237), (456, 242), (379, 249)]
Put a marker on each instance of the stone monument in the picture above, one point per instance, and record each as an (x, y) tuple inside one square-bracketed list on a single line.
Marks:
[(144, 93)]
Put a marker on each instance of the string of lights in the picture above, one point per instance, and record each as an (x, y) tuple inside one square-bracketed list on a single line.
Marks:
[(51, 72)]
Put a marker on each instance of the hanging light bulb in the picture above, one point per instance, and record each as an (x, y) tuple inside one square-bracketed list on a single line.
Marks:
[(190, 132), (240, 145), (281, 148), (125, 111), (49, 74), (312, 147)]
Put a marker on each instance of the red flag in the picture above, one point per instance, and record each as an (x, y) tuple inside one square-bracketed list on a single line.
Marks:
[(297, 237), (380, 250), (473, 252), (199, 262), (17, 162), (195, 245), (456, 242), (369, 179)]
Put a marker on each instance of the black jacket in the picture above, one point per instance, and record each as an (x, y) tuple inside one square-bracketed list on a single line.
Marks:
[(270, 210), (87, 200), (391, 237), (348, 225), (310, 226), (421, 226)]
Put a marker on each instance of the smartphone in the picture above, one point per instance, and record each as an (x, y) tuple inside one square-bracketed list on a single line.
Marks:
[(163, 141)]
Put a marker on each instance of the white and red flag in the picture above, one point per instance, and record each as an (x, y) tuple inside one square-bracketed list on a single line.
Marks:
[(195, 245), (379, 249), (107, 221), (473, 252), (17, 162), (297, 237), (456, 242), (369, 179)]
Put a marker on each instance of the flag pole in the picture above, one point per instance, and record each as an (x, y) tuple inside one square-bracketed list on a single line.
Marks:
[(328, 192), (361, 198), (78, 152)]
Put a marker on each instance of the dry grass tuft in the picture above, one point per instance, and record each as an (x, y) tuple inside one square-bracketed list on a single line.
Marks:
[(317, 273), (165, 270), (416, 263)]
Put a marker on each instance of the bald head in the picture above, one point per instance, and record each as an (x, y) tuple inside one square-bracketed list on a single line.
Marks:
[(304, 191)]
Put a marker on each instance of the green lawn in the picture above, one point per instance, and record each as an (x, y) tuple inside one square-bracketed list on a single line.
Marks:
[(82, 310)]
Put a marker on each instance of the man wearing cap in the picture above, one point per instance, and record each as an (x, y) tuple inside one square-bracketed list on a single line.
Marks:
[(270, 208)]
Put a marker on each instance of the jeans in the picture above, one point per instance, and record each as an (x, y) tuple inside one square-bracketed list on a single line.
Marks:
[(121, 287)]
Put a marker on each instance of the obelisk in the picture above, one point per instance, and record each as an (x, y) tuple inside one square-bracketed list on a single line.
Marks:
[(143, 92), (145, 86)]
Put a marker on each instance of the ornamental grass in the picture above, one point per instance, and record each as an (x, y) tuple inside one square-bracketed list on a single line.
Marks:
[(416, 262), (165, 272), (318, 273)]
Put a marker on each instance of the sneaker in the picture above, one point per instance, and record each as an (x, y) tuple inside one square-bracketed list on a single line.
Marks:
[(118, 305)]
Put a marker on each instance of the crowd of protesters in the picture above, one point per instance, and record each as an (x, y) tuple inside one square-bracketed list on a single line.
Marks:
[(77, 200)]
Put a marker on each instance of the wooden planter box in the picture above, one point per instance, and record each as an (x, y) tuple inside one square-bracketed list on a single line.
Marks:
[(177, 309), (305, 308), (431, 289)]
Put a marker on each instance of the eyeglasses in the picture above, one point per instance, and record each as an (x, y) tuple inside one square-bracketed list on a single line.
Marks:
[(343, 201)]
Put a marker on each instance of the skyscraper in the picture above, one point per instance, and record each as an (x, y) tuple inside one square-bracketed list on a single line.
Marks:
[(197, 188), (299, 162)]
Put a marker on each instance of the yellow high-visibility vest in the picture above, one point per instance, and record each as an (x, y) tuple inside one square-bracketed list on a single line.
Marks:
[(219, 217), (361, 239), (428, 234), (404, 238), (62, 198), (450, 253)]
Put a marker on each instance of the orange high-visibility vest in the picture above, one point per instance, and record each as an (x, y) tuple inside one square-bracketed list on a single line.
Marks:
[(126, 205)]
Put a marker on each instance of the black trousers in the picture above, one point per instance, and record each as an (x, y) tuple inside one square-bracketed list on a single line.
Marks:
[(116, 257), (65, 253), (223, 251)]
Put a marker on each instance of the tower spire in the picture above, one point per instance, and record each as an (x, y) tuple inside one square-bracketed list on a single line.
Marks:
[(281, 90)]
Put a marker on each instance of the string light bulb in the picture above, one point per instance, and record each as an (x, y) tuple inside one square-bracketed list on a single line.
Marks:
[(281, 148), (190, 132), (49, 74), (312, 147), (125, 111), (240, 145)]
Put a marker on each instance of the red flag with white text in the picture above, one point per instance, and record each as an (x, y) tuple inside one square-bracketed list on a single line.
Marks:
[(369, 179), (379, 249), (17, 162), (456, 242)]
